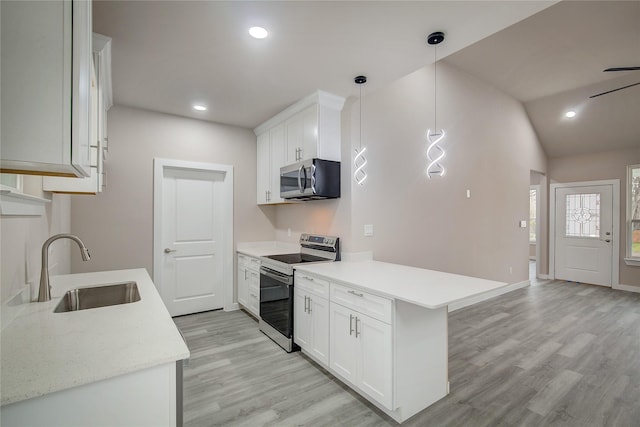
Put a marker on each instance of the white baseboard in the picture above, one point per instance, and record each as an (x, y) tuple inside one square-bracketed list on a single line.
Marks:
[(233, 307), (479, 298), (544, 276), (627, 288)]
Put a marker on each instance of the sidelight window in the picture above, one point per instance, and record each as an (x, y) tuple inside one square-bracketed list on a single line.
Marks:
[(633, 215)]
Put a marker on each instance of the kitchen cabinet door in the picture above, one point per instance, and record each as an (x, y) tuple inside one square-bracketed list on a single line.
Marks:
[(270, 158), (302, 135), (276, 139), (301, 320), (343, 345), (243, 285), (46, 66), (264, 166), (375, 364), (319, 345), (254, 292)]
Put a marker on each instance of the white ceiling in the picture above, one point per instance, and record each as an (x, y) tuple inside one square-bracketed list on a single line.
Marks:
[(168, 55), (553, 62)]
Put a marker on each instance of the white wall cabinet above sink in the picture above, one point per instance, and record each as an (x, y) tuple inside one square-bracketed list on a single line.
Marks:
[(46, 77), (101, 101), (308, 129)]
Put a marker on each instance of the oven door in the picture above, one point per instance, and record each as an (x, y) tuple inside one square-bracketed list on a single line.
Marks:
[(276, 300)]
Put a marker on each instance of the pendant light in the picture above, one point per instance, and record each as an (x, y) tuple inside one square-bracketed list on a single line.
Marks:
[(359, 160), (435, 153)]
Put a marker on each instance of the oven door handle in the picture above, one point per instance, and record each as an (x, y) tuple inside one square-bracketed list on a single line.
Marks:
[(283, 278)]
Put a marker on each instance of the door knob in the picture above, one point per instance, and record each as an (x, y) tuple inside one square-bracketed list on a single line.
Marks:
[(168, 251)]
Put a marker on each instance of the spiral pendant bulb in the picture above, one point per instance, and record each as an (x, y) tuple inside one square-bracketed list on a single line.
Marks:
[(434, 153), (360, 161)]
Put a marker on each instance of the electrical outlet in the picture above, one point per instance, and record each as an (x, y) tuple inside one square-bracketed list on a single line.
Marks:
[(468, 194)]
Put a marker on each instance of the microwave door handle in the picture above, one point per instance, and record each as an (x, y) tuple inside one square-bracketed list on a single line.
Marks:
[(300, 188), (313, 179), (305, 180)]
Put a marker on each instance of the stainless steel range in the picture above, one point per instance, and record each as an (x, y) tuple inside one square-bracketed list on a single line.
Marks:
[(277, 287)]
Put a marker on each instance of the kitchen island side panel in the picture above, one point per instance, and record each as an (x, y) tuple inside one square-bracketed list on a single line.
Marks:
[(421, 358)]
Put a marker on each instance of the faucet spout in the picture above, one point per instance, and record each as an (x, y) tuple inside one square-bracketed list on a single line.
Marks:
[(44, 293)]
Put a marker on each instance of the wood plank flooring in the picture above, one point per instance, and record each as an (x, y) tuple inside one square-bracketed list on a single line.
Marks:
[(555, 353)]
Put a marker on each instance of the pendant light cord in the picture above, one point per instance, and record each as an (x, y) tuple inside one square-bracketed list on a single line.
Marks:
[(360, 142), (435, 88)]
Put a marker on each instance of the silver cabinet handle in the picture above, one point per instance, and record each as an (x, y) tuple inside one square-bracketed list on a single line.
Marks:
[(308, 278), (309, 305), (168, 251), (351, 324), (357, 332), (245, 274), (355, 293), (305, 304)]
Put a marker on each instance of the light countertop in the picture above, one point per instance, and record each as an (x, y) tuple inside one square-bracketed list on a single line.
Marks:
[(272, 247), (44, 352), (426, 288)]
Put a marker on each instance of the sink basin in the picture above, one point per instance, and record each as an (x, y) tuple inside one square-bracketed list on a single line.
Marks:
[(98, 296)]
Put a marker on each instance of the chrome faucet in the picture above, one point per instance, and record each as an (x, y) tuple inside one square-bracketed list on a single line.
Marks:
[(45, 288)]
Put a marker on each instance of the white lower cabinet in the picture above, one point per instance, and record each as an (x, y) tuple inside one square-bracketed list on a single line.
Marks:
[(249, 283), (391, 352), (361, 352), (311, 317)]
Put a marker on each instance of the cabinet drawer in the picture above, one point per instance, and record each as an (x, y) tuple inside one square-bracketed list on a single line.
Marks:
[(254, 264), (363, 302), (312, 284)]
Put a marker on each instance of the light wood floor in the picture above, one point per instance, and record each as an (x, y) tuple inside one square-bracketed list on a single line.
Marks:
[(555, 353)]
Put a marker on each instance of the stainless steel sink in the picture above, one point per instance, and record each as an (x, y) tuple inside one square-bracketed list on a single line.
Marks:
[(98, 296)]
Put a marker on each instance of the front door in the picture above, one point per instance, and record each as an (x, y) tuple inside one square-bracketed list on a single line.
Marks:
[(584, 234), (191, 234)]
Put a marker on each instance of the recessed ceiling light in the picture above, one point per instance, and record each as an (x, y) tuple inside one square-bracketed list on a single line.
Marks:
[(570, 114), (258, 32), (200, 108)]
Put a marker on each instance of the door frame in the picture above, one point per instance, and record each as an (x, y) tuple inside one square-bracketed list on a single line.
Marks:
[(226, 246), (615, 233)]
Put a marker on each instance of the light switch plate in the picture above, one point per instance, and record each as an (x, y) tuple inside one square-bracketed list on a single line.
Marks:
[(523, 223), (368, 230)]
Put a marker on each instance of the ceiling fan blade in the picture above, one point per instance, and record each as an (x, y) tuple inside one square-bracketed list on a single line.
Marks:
[(622, 69), (614, 90)]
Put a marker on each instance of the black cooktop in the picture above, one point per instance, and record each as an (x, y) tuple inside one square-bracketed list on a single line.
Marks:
[(296, 258)]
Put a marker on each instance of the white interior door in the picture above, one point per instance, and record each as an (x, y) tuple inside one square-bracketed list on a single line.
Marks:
[(584, 237), (191, 238)]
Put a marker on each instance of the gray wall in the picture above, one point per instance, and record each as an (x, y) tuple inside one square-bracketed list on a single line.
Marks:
[(22, 239), (491, 148), (599, 166), (117, 225)]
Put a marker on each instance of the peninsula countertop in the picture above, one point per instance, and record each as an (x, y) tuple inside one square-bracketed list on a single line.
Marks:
[(419, 286), (44, 352)]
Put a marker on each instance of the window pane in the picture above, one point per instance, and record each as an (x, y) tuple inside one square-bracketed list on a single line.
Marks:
[(635, 193), (634, 210), (532, 214), (635, 238), (583, 215)]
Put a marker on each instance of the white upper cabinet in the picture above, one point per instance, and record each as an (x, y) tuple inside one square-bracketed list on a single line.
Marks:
[(302, 135), (46, 85), (308, 129), (101, 101), (271, 157)]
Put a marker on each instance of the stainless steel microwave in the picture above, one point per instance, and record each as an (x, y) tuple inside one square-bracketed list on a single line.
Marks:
[(311, 179)]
